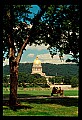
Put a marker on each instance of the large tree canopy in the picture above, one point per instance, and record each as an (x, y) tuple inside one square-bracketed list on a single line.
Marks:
[(56, 25)]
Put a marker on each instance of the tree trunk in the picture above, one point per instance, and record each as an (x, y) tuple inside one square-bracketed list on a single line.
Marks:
[(12, 61), (13, 83)]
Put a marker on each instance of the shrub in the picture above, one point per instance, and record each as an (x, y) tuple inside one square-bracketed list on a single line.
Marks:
[(74, 81)]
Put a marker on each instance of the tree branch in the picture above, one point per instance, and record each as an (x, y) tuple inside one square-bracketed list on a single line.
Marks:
[(21, 50), (34, 21)]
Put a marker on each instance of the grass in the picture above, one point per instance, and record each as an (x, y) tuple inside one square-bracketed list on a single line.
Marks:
[(47, 109), (43, 107), (41, 91)]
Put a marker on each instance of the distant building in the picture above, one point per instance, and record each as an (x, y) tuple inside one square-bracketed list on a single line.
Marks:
[(37, 67)]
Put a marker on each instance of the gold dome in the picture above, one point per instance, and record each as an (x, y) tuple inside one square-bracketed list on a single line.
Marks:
[(37, 61)]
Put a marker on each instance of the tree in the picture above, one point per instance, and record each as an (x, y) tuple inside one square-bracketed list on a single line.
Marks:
[(32, 79), (64, 29), (74, 81), (5, 81), (52, 80), (22, 79), (15, 40), (49, 26), (67, 80), (37, 79), (59, 79)]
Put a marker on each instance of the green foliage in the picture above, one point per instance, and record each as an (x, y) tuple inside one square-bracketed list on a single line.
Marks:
[(52, 80), (49, 69), (67, 80), (60, 69), (63, 73), (61, 20), (58, 79), (6, 81), (74, 81), (15, 26), (6, 70), (51, 25), (31, 80), (23, 78)]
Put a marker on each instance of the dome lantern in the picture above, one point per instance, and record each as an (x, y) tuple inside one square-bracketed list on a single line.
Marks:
[(37, 61)]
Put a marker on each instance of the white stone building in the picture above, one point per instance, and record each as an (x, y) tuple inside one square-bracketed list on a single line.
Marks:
[(37, 67)]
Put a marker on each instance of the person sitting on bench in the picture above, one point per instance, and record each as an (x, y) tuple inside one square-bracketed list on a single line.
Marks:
[(54, 90)]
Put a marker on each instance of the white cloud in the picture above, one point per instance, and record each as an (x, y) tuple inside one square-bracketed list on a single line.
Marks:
[(30, 55), (23, 62), (27, 62), (37, 47), (6, 62), (46, 58)]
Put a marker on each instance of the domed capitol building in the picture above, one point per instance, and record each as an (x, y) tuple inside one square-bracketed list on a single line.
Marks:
[(37, 67)]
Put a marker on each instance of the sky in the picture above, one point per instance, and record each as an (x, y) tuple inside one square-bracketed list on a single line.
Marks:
[(41, 51), (43, 54)]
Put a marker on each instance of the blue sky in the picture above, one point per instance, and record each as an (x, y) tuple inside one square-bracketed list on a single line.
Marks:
[(41, 51), (35, 9)]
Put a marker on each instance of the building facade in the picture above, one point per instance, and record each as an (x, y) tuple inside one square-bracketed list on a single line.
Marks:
[(37, 67)]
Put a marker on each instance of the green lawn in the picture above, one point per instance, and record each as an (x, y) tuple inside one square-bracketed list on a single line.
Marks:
[(42, 110), (43, 107), (39, 91)]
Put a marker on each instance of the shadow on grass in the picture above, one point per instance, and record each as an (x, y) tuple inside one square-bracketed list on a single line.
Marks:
[(66, 101), (14, 108), (18, 107), (24, 95)]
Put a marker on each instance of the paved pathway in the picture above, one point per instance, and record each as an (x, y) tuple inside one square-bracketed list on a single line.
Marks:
[(42, 97), (50, 97)]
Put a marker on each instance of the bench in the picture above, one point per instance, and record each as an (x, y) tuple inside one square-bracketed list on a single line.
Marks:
[(57, 91)]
